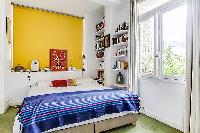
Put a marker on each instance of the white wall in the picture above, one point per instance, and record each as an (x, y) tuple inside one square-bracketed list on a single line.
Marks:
[(4, 55), (2, 44), (163, 100)]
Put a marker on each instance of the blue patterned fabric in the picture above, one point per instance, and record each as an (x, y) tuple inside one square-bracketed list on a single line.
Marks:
[(44, 112)]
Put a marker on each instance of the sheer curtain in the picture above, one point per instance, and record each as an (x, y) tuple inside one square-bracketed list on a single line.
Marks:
[(133, 47), (192, 110)]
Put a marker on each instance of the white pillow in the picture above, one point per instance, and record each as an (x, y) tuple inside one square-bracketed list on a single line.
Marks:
[(85, 81), (45, 83)]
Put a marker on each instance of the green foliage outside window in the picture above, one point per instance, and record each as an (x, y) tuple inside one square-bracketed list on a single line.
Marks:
[(174, 64)]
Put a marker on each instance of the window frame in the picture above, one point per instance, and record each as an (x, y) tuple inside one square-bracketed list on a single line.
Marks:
[(154, 74), (157, 13)]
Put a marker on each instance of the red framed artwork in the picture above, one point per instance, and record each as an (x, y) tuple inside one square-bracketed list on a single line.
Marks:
[(58, 60)]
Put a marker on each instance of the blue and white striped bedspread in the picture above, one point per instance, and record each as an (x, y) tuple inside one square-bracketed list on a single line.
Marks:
[(42, 113)]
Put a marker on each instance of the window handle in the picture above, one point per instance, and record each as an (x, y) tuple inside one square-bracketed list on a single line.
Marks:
[(156, 56)]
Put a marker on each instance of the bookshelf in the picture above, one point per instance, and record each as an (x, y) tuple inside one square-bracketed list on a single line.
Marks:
[(120, 56), (100, 49)]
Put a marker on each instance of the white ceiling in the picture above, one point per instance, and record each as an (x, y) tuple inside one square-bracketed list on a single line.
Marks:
[(74, 7)]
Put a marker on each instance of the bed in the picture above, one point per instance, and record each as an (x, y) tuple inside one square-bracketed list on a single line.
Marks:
[(88, 107)]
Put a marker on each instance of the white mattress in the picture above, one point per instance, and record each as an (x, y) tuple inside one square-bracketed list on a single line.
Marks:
[(40, 90)]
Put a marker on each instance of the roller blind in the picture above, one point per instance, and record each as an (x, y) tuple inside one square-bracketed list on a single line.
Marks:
[(36, 32)]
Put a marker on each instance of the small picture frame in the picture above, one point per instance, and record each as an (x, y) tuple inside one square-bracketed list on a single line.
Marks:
[(107, 41)]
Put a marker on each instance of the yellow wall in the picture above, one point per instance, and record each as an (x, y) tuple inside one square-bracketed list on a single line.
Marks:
[(36, 32)]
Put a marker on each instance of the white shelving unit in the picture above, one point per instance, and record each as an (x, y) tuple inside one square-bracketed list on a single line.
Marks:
[(112, 22), (99, 69), (123, 57)]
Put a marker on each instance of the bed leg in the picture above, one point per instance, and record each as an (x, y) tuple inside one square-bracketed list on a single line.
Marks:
[(133, 123)]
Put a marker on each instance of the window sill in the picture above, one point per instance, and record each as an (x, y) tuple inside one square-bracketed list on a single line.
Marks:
[(162, 79)]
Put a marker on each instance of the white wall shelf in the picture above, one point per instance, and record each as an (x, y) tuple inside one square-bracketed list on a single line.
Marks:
[(100, 49), (117, 48), (119, 85), (121, 44), (100, 32), (119, 69), (99, 40), (100, 58), (120, 56), (122, 32), (100, 69)]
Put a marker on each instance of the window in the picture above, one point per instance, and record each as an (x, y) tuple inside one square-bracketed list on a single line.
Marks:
[(147, 46), (163, 40), (174, 42)]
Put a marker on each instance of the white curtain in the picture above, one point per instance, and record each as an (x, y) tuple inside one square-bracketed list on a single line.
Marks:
[(133, 47), (192, 110)]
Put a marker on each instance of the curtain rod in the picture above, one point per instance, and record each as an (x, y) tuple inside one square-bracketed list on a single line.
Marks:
[(47, 10)]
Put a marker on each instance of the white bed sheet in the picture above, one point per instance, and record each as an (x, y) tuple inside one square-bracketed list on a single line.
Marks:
[(49, 90)]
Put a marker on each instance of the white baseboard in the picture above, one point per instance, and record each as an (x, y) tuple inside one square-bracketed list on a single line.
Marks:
[(7, 104), (16, 103), (156, 117), (5, 107)]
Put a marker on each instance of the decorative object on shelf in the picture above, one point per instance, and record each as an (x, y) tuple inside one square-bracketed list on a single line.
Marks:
[(58, 60), (100, 78), (107, 41), (46, 69), (101, 25), (119, 65), (98, 37), (71, 68), (100, 54), (84, 62), (125, 65), (12, 69), (120, 39), (100, 45), (8, 29), (101, 64), (122, 52), (120, 78), (29, 78), (35, 66), (19, 68), (123, 26)]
